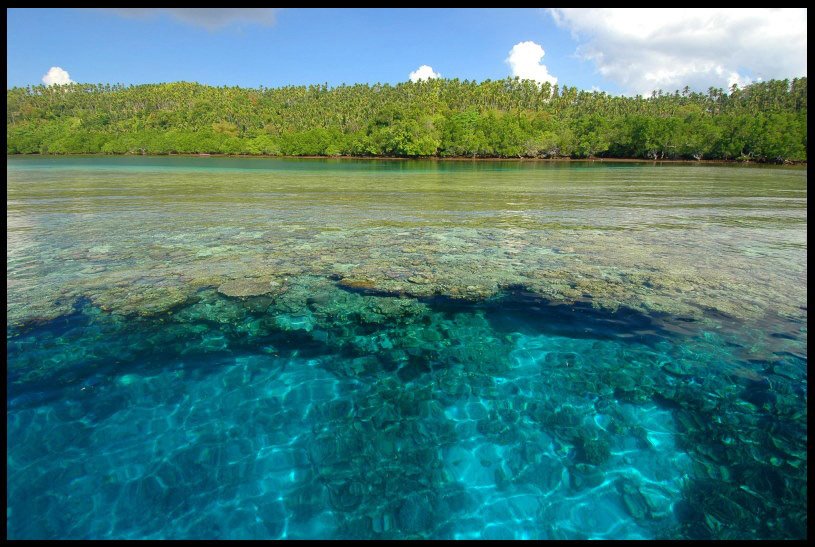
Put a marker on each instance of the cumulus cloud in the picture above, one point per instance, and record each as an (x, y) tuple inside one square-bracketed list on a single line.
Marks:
[(525, 61), (209, 18), (424, 72), (56, 76), (643, 49)]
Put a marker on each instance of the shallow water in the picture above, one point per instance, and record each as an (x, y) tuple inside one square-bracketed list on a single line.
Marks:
[(255, 348)]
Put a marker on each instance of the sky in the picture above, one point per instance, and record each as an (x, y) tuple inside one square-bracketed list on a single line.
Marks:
[(616, 50)]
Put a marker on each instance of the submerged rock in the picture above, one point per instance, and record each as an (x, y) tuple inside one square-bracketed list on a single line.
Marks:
[(382, 523), (595, 451), (634, 502), (415, 514), (249, 287), (585, 476)]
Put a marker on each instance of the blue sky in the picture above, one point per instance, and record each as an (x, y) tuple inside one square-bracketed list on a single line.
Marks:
[(612, 50)]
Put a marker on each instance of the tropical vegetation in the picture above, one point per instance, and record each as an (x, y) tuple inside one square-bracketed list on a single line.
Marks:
[(764, 121)]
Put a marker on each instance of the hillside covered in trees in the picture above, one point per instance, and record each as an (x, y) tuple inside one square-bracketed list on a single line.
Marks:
[(765, 121)]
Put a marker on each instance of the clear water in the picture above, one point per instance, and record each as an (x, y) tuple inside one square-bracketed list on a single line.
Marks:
[(244, 348)]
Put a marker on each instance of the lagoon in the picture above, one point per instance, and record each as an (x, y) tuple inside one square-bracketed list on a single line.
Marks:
[(284, 348)]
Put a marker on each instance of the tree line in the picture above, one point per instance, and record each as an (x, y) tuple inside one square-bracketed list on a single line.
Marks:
[(764, 121)]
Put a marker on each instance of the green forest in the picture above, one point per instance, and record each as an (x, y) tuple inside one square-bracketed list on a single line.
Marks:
[(510, 118)]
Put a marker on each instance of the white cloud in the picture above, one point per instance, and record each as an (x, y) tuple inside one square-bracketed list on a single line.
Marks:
[(424, 72), (56, 76), (209, 18), (643, 49), (525, 61)]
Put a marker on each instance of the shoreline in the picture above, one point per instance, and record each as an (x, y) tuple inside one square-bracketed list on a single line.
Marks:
[(430, 158)]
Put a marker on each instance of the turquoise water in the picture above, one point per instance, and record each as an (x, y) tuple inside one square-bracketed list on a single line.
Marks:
[(224, 348)]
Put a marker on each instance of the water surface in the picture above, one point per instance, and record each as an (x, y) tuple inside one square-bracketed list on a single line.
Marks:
[(257, 348)]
